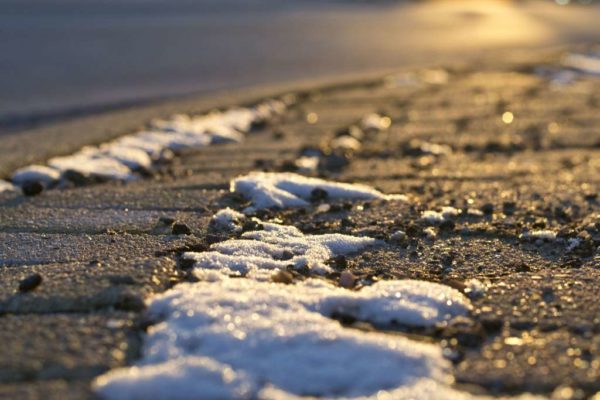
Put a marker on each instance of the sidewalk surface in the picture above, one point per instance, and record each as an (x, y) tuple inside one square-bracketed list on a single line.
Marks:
[(517, 146)]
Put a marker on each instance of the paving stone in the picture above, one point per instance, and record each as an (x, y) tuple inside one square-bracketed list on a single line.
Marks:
[(65, 346), (81, 287), (34, 248)]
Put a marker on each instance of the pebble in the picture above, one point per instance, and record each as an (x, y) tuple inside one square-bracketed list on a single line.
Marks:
[(398, 236), (32, 188), (181, 229), (30, 283), (318, 194), (347, 279), (430, 233), (282, 277), (487, 208)]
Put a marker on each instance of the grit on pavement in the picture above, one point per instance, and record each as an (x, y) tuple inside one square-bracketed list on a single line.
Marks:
[(513, 147)]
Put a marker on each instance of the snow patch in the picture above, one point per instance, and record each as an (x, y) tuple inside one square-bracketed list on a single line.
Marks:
[(283, 190), (438, 217), (93, 165), (121, 158), (227, 220), (257, 254), (35, 173), (7, 186), (241, 338), (589, 64), (375, 122), (547, 235)]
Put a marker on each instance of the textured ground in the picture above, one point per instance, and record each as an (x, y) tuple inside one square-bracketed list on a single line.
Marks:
[(101, 249)]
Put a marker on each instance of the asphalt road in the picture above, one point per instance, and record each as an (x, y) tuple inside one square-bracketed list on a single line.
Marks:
[(65, 57)]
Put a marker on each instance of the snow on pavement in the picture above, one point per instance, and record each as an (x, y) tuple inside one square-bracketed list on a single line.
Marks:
[(285, 189), (258, 254), (236, 338), (229, 337), (122, 158)]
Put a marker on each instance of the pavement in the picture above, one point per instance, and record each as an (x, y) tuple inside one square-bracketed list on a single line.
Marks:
[(521, 148)]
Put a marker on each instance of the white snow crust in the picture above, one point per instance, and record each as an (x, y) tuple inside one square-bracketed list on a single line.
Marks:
[(35, 173), (283, 190), (241, 338), (119, 159), (6, 186), (257, 254)]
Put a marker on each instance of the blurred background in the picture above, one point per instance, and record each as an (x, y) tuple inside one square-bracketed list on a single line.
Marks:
[(68, 57)]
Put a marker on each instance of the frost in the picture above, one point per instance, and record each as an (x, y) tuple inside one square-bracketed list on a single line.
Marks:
[(35, 173), (257, 254), (273, 338), (282, 190)]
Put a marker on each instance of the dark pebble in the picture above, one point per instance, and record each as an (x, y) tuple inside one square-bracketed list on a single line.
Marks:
[(181, 229), (251, 226), (186, 263), (508, 207), (30, 283), (487, 208), (318, 194), (414, 230), (32, 188)]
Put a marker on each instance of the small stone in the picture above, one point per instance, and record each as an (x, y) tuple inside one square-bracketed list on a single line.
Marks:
[(318, 194), (30, 283), (398, 236), (487, 208), (430, 233), (282, 277), (508, 207), (181, 229), (347, 279), (251, 226), (32, 188)]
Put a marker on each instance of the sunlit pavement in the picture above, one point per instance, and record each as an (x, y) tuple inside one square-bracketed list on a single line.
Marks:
[(512, 148)]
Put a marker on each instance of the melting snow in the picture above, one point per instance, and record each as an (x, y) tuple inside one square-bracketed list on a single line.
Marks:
[(117, 160), (375, 122), (257, 254), (35, 173), (93, 165), (540, 235), (6, 186), (282, 190), (345, 142), (307, 164), (240, 338), (438, 217), (585, 63)]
